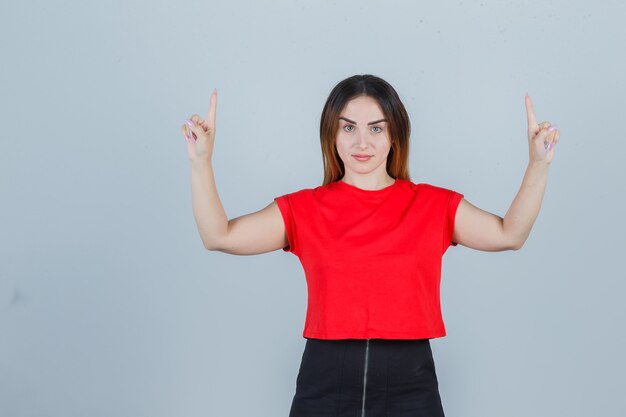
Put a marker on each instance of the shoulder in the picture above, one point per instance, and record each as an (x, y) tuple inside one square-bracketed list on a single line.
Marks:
[(298, 196), (436, 194), (315, 192), (431, 188), (424, 189), (435, 189)]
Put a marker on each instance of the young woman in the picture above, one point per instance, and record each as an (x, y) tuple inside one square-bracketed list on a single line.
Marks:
[(371, 244)]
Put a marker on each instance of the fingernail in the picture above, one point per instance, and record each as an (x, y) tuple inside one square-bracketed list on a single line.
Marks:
[(190, 122), (553, 128)]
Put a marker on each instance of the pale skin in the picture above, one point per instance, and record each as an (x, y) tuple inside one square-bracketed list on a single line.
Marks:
[(264, 231)]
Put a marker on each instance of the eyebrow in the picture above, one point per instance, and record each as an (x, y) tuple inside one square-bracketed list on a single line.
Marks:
[(370, 123)]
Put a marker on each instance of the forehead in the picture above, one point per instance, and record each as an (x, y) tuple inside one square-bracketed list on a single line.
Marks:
[(362, 108)]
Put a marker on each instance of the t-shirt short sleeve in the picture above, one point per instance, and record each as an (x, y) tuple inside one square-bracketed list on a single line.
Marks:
[(284, 204), (454, 198)]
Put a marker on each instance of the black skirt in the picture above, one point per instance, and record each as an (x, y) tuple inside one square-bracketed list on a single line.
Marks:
[(367, 378)]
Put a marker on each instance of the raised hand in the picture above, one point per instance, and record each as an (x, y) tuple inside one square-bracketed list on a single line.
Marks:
[(542, 137), (200, 134)]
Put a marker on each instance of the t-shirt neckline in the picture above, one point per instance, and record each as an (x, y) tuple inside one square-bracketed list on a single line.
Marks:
[(361, 190)]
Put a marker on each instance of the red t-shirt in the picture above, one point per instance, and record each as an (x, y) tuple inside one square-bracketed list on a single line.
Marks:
[(371, 258)]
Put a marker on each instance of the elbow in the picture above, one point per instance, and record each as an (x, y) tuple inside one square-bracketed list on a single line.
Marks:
[(214, 242), (210, 248), (514, 242), (517, 245), (211, 244)]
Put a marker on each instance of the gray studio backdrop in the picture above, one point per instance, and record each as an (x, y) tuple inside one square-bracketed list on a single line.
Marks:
[(110, 305)]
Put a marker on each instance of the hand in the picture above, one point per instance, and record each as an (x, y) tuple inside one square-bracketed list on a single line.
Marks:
[(541, 137), (200, 134)]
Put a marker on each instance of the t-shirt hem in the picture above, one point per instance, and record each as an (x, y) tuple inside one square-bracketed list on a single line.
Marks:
[(418, 334)]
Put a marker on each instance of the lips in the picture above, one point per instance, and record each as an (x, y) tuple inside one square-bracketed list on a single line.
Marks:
[(362, 157)]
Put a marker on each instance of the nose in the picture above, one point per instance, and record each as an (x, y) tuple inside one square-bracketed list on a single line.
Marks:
[(362, 141)]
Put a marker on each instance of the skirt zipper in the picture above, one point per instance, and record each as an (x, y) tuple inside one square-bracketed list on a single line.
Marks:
[(367, 351)]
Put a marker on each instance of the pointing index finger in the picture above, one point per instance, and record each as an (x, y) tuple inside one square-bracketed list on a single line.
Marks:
[(212, 108), (530, 113)]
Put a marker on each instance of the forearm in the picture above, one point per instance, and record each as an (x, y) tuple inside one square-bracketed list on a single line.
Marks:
[(521, 216), (208, 211)]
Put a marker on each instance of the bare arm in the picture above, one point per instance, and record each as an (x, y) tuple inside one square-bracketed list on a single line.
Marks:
[(524, 210), (482, 230), (479, 229), (258, 232), (250, 234)]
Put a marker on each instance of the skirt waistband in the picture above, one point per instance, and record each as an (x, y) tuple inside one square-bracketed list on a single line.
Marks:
[(371, 376)]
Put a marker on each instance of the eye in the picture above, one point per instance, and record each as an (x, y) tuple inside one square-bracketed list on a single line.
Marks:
[(379, 129), (346, 128)]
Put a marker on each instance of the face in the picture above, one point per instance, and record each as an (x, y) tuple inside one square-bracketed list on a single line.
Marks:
[(363, 132)]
